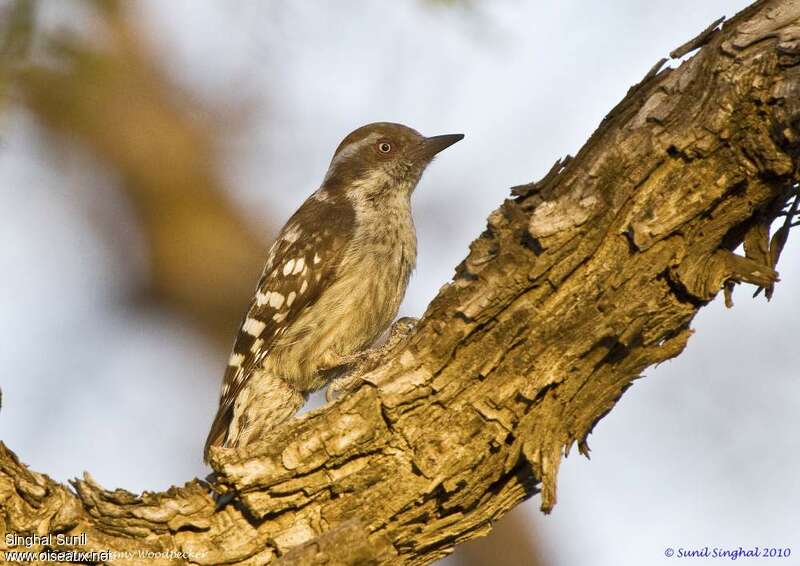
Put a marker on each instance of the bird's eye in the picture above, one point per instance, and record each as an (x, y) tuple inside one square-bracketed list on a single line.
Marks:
[(384, 147)]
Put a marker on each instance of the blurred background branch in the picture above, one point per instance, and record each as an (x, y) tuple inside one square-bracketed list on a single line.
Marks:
[(111, 96)]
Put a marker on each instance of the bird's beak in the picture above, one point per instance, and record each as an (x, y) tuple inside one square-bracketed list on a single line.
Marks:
[(433, 145)]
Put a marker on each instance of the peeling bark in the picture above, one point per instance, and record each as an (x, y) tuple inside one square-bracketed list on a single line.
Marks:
[(579, 283)]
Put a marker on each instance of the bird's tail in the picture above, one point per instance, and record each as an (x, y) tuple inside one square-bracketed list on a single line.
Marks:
[(270, 400)]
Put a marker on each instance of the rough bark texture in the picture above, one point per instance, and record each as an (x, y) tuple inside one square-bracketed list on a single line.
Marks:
[(578, 284)]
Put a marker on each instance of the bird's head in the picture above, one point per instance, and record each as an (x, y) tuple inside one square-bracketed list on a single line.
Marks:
[(383, 157)]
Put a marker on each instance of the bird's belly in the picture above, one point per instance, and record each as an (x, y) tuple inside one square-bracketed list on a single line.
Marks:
[(353, 314)]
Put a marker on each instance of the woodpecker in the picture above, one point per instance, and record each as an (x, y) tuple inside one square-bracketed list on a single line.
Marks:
[(333, 281)]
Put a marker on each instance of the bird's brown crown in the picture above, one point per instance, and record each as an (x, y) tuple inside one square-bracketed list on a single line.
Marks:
[(372, 135)]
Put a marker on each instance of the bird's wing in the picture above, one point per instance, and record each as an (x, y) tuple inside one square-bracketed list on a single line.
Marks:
[(301, 265)]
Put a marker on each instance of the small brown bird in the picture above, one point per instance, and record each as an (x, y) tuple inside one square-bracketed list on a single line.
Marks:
[(333, 281)]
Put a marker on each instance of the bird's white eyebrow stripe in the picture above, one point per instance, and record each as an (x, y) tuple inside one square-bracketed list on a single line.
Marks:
[(351, 149)]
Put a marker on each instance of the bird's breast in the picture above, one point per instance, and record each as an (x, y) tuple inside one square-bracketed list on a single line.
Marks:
[(361, 301), (383, 255)]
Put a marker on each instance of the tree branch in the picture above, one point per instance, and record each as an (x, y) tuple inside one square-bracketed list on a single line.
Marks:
[(578, 284)]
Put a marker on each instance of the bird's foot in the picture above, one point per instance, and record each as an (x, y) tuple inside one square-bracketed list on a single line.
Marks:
[(362, 362), (341, 385)]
